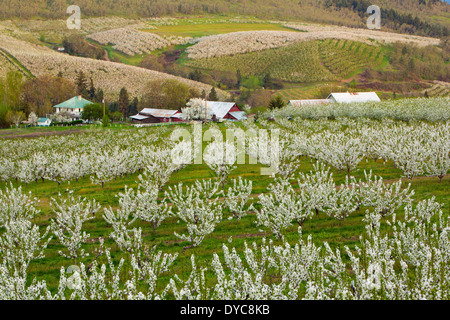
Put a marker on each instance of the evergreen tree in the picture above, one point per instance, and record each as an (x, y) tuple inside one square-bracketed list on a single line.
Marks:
[(268, 81), (133, 107), (91, 90), (124, 102), (212, 95), (99, 96), (276, 103), (81, 83), (239, 78)]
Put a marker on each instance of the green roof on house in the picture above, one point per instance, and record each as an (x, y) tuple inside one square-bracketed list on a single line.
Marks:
[(74, 103), (43, 119)]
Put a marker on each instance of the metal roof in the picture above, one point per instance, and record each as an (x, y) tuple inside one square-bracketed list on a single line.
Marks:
[(218, 108), (344, 97), (139, 117), (159, 113), (43, 119), (75, 103), (299, 103), (239, 115)]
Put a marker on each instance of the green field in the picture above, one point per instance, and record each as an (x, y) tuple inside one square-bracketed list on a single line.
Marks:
[(208, 29)]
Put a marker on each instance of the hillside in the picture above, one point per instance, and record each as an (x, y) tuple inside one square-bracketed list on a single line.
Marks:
[(205, 51), (109, 76), (425, 17)]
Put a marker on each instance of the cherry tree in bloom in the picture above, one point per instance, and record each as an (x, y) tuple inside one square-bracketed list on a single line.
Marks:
[(71, 213), (237, 197), (198, 207)]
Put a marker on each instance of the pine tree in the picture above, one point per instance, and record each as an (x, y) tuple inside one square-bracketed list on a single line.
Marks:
[(81, 83), (276, 103), (268, 81), (212, 95), (124, 102), (91, 90), (134, 106), (99, 96), (239, 78)]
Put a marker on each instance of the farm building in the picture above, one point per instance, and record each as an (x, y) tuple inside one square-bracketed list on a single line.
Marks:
[(301, 103), (74, 106), (148, 115), (225, 110), (44, 122), (347, 97)]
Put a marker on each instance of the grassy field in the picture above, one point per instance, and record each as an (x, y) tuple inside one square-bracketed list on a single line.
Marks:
[(322, 227), (207, 29)]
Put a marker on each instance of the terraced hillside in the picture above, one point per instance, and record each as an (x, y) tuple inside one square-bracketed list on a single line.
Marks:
[(299, 62), (439, 89), (345, 58), (311, 61)]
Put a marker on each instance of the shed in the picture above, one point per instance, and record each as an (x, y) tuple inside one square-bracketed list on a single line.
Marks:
[(44, 122), (139, 118), (149, 115)]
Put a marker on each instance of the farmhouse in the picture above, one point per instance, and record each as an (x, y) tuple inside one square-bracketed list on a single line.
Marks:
[(348, 97), (73, 106), (225, 110), (148, 115)]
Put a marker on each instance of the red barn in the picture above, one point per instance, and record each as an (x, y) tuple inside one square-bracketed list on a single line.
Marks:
[(225, 110)]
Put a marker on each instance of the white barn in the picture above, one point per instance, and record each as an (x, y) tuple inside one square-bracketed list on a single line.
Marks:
[(348, 97)]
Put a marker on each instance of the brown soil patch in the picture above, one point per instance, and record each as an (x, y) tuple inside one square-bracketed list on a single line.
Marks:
[(40, 134)]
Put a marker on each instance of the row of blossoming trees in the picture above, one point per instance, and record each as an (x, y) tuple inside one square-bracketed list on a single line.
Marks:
[(417, 148), (404, 251)]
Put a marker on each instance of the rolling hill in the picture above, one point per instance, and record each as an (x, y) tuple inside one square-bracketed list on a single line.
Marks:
[(109, 76)]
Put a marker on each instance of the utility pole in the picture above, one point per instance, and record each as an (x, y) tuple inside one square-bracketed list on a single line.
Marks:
[(104, 109), (206, 106)]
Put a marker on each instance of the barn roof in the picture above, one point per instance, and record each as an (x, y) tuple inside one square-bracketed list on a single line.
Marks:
[(159, 113), (239, 115), (344, 97), (139, 117), (41, 120), (218, 108), (75, 103), (299, 103)]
